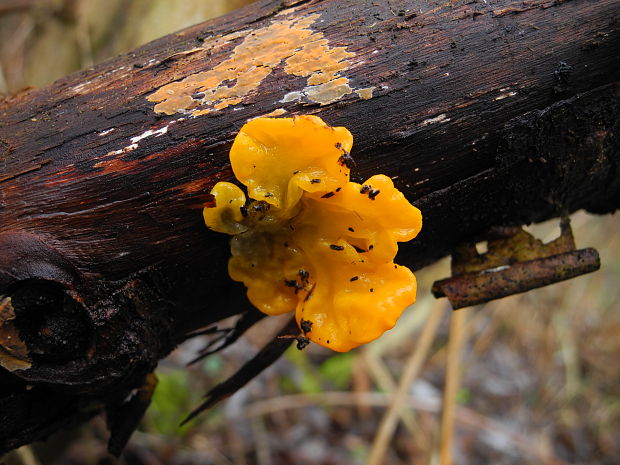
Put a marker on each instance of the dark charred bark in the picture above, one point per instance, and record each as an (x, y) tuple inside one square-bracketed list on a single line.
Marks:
[(484, 113)]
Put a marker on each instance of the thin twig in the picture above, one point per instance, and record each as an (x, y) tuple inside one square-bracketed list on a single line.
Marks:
[(262, 360), (226, 336), (382, 376)]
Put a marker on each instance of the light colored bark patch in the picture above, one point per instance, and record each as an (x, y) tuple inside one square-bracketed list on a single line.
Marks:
[(289, 45)]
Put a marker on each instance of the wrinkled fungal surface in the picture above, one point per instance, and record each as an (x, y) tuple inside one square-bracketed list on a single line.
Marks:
[(309, 239)]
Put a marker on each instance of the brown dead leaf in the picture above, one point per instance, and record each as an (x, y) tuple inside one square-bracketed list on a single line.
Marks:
[(13, 351)]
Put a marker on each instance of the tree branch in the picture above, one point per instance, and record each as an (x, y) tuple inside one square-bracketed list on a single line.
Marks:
[(483, 115)]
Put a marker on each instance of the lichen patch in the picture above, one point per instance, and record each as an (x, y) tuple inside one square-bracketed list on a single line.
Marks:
[(294, 96), (287, 44), (272, 114), (329, 91), (365, 93)]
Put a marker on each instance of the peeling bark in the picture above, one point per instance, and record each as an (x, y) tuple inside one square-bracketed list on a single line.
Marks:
[(482, 114)]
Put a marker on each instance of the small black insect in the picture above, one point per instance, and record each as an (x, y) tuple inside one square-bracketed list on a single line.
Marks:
[(295, 284), (260, 206), (346, 160), (302, 342), (336, 247), (305, 325), (373, 193)]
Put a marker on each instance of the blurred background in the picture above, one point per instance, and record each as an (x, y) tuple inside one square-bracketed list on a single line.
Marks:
[(530, 379)]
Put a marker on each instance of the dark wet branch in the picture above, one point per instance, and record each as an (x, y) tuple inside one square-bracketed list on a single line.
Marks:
[(483, 115)]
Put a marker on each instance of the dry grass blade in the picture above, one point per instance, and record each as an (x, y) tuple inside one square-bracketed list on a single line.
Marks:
[(464, 416), (453, 378), (383, 378), (332, 398), (411, 370), (26, 456)]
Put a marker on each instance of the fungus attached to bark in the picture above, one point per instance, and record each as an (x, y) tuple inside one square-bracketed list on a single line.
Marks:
[(306, 231)]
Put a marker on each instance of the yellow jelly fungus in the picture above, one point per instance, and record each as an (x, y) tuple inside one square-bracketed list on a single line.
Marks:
[(311, 240)]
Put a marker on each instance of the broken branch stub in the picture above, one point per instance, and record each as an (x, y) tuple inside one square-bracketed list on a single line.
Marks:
[(516, 262)]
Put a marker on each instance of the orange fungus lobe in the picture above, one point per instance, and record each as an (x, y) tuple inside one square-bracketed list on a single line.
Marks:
[(310, 240)]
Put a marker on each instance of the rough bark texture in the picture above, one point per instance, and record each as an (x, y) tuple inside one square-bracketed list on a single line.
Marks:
[(484, 113)]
